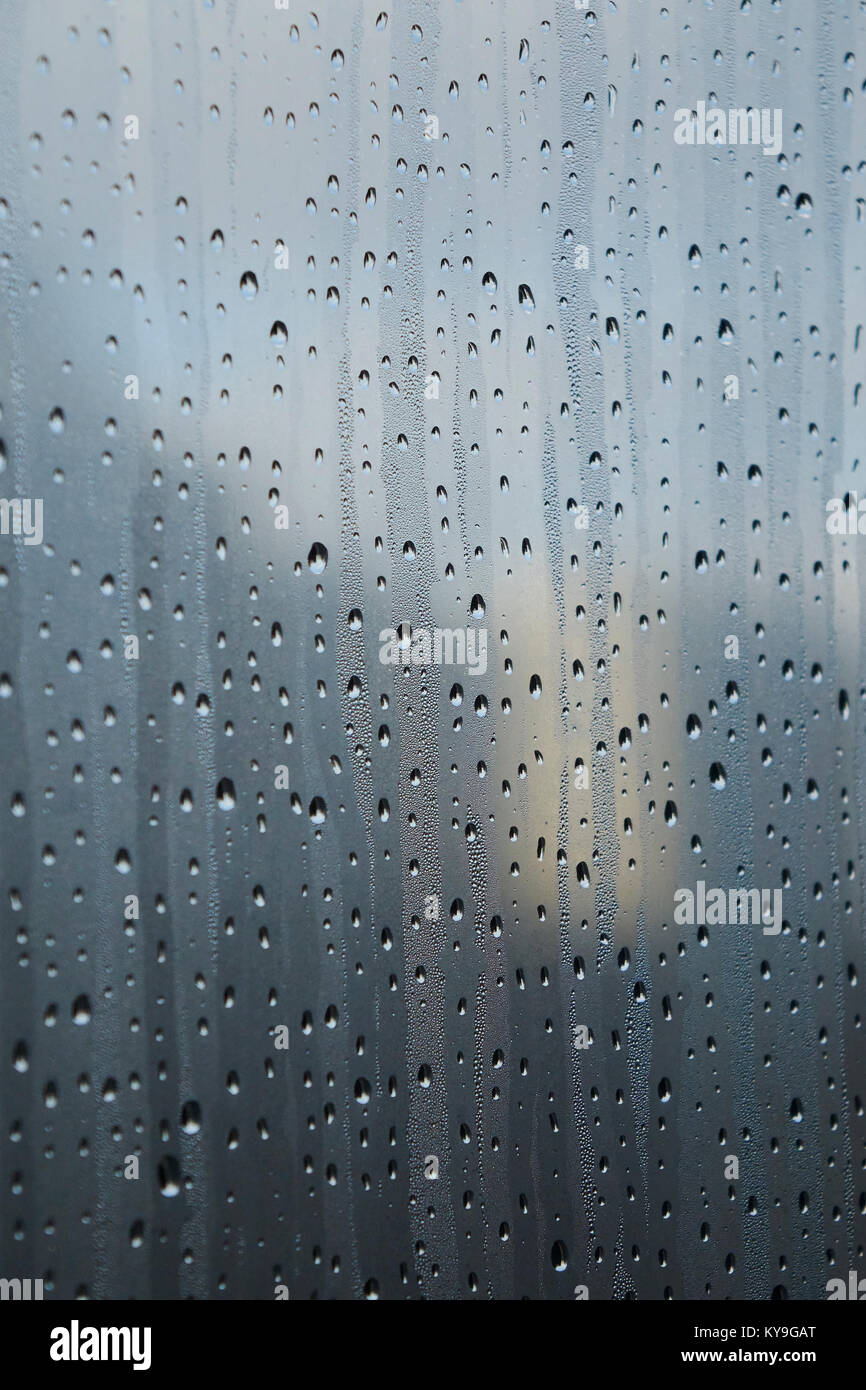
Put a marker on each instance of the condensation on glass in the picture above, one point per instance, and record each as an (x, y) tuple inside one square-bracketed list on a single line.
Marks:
[(416, 592)]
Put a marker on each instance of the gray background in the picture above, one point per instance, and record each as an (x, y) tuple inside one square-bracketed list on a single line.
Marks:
[(558, 1167)]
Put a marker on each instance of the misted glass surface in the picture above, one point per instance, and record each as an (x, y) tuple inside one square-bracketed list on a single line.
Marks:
[(432, 682)]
